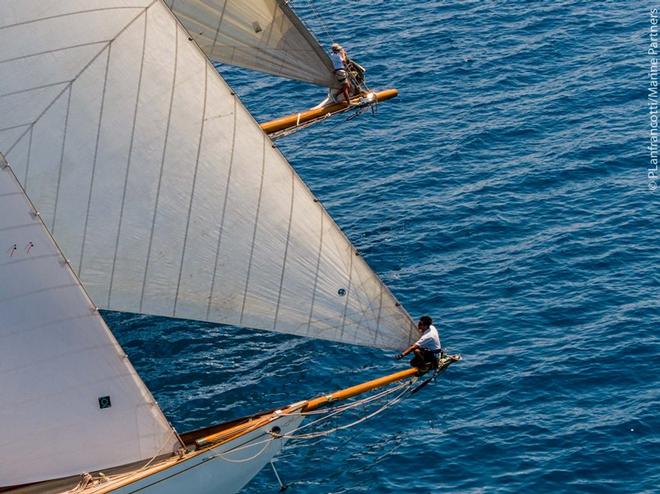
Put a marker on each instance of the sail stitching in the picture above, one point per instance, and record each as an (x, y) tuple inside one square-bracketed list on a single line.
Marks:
[(129, 159), (5, 129), (94, 162), (316, 274), (286, 248), (363, 307), (35, 88), (61, 165), (28, 158), (217, 30), (68, 14), (279, 71), (7, 194), (15, 227), (162, 162), (194, 184), (79, 299), (366, 308), (224, 209), (18, 260), (41, 290), (55, 50), (53, 322), (348, 291), (256, 225), (380, 310), (271, 27), (106, 44)]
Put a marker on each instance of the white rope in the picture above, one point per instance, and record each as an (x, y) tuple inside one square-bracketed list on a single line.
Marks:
[(356, 403), (290, 435), (405, 386), (313, 435), (359, 109), (88, 480), (320, 20), (249, 445)]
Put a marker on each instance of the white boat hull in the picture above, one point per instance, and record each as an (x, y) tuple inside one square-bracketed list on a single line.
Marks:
[(226, 468)]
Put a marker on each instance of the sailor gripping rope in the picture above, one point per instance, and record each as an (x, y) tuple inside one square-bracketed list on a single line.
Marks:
[(427, 348)]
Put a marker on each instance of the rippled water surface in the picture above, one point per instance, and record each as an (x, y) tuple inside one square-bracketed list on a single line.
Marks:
[(505, 193)]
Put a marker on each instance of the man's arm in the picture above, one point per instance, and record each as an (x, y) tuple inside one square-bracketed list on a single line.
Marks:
[(408, 350)]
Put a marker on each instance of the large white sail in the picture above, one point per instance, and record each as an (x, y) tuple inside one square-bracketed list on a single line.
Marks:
[(162, 189), (264, 35), (71, 401)]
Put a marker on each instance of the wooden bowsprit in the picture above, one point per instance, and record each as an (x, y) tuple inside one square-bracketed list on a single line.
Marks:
[(296, 121)]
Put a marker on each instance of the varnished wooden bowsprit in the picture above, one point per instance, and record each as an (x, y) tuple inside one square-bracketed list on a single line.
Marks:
[(375, 383), (241, 427), (297, 119)]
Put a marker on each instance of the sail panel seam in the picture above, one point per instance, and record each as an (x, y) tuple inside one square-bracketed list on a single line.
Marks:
[(380, 310), (286, 248), (316, 274), (18, 260), (194, 184), (52, 322), (162, 163), (33, 292), (348, 292), (15, 227), (217, 30), (224, 208), (28, 159), (106, 44), (129, 159), (94, 161), (55, 50), (35, 88), (61, 165), (254, 230), (68, 14)]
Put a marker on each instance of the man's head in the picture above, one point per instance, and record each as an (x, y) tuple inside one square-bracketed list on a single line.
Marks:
[(424, 323), (336, 47)]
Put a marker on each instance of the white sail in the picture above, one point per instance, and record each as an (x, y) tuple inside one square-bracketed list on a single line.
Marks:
[(264, 35), (59, 362), (162, 189)]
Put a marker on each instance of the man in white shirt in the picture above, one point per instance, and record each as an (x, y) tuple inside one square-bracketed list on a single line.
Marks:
[(338, 57), (427, 348)]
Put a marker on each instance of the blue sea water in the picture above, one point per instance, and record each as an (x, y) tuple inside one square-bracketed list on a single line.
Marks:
[(505, 193)]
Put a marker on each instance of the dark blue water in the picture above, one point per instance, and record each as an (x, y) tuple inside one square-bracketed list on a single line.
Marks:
[(504, 193)]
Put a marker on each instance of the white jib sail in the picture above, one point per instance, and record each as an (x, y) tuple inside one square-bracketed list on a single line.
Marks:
[(264, 35), (71, 400), (162, 189)]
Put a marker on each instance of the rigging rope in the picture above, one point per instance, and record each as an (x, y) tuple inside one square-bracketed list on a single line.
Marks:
[(323, 25), (405, 387), (358, 110)]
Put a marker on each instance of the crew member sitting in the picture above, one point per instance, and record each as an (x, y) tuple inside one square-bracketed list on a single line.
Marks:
[(338, 57), (427, 348)]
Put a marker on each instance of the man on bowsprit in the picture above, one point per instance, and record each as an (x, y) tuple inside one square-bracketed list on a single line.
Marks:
[(339, 63), (427, 348)]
